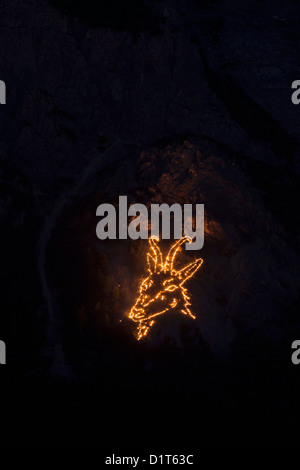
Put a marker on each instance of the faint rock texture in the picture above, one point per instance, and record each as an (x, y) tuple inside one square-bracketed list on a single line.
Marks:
[(248, 283), (193, 95), (246, 255)]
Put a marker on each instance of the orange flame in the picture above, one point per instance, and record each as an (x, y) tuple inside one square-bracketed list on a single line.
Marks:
[(163, 290)]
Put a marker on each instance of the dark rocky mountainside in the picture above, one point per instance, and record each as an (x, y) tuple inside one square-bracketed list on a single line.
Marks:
[(161, 101)]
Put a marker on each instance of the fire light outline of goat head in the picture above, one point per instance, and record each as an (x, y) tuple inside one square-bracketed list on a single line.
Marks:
[(163, 289)]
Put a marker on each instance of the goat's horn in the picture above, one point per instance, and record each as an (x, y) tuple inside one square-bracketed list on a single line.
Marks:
[(156, 250), (168, 266)]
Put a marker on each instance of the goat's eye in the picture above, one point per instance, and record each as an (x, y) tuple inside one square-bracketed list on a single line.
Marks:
[(143, 287), (171, 288)]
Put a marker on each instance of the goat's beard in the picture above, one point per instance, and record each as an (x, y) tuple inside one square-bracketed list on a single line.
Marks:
[(143, 328)]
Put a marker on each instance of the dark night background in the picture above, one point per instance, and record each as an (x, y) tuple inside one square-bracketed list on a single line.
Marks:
[(164, 101)]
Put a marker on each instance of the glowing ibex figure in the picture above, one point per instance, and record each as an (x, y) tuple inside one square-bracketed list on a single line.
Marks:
[(163, 289)]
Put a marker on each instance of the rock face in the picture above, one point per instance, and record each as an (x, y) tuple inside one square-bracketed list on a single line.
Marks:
[(189, 103), (246, 282)]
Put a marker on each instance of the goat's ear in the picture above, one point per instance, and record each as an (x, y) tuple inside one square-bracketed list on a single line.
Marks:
[(151, 263), (188, 271)]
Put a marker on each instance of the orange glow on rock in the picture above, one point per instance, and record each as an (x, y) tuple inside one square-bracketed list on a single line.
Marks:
[(163, 289)]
